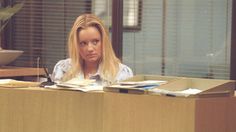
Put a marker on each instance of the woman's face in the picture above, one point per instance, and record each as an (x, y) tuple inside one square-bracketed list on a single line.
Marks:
[(90, 45)]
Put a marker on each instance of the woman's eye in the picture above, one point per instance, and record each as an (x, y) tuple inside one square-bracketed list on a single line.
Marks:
[(95, 42), (82, 43)]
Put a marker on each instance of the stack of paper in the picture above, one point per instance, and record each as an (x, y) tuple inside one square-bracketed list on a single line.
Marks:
[(185, 93), (147, 84), (137, 87), (74, 83), (78, 85), (11, 83)]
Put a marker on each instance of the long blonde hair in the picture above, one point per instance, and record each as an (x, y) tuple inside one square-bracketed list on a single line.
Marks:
[(109, 63)]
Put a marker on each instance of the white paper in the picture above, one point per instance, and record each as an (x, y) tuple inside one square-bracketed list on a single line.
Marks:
[(83, 89), (5, 81), (185, 93), (78, 85)]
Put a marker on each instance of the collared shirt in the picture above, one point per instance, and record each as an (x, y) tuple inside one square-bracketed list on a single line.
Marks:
[(64, 65)]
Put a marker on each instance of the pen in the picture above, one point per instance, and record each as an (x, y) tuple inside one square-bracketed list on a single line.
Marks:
[(170, 95), (47, 75), (49, 80)]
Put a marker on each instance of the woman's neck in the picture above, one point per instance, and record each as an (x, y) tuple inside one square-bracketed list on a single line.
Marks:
[(90, 69)]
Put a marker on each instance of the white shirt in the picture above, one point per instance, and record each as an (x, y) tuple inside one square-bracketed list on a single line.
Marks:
[(64, 65)]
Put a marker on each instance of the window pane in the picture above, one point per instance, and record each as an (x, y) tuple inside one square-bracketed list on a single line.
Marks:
[(181, 38)]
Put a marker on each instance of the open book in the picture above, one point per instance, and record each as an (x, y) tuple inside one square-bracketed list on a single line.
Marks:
[(85, 85)]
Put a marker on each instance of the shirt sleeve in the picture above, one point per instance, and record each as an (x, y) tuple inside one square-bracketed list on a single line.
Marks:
[(124, 73), (60, 69)]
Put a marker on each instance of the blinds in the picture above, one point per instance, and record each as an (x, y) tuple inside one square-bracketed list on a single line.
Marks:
[(132, 10), (41, 29), (142, 49), (181, 38)]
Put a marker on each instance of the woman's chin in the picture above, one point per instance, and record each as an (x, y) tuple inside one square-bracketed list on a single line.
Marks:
[(92, 60)]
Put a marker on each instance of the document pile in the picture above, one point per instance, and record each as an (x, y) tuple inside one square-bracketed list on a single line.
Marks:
[(147, 84), (134, 86), (76, 84), (185, 93), (11, 83)]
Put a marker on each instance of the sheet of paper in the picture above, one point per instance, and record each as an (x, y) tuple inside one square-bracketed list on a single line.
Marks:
[(11, 83), (83, 89), (185, 93), (76, 84)]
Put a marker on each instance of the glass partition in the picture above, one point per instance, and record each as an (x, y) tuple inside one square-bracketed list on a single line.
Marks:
[(181, 38)]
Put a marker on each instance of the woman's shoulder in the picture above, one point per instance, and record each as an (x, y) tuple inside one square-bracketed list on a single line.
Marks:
[(64, 61), (60, 69), (125, 68), (63, 64), (125, 72)]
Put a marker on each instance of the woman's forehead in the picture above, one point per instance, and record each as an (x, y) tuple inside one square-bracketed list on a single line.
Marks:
[(88, 33)]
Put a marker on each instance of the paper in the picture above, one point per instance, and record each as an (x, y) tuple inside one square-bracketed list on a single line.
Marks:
[(79, 82), (83, 89), (11, 83), (143, 83), (148, 84), (185, 93), (5, 81), (78, 85), (135, 86)]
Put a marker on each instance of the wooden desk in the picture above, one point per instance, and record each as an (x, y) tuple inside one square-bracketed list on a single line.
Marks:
[(20, 71), (134, 113), (41, 110)]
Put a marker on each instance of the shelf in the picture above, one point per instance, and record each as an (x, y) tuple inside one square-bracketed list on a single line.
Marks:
[(8, 71)]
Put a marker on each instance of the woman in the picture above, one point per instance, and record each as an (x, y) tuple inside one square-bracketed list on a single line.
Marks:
[(90, 54)]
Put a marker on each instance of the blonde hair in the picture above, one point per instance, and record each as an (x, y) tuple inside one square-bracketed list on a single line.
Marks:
[(109, 63)]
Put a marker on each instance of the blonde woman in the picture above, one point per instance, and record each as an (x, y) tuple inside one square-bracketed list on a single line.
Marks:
[(90, 54)]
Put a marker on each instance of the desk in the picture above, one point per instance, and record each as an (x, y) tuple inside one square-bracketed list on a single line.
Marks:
[(133, 113), (20, 71), (42, 110)]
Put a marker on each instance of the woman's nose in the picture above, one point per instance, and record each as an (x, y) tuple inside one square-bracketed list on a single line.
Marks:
[(90, 46)]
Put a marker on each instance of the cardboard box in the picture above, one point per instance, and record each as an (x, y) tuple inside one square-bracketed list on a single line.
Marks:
[(174, 85), (208, 87)]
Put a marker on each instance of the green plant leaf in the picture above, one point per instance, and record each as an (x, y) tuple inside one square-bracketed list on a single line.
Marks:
[(7, 12)]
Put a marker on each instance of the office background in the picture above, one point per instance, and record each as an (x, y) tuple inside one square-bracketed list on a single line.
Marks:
[(175, 37)]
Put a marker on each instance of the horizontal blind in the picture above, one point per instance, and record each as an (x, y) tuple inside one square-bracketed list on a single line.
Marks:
[(181, 38), (132, 10), (132, 15), (142, 49), (202, 43), (41, 29)]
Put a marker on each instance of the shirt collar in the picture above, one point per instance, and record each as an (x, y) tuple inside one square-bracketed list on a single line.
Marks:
[(96, 76)]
